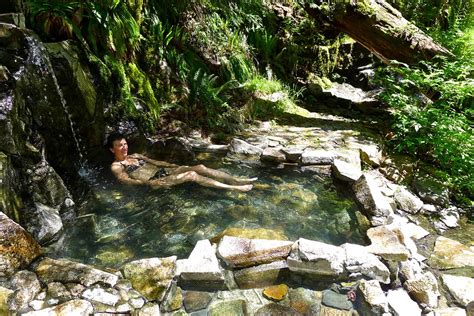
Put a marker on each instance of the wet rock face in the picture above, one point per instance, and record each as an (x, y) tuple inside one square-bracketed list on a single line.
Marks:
[(17, 248)]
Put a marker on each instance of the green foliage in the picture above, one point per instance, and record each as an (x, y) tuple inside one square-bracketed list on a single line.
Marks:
[(271, 98), (433, 115)]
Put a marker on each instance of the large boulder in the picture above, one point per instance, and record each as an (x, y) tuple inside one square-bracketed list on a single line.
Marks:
[(17, 248)]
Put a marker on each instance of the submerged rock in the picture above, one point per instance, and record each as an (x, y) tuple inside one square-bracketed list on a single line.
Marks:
[(194, 301), (17, 248), (235, 308), (262, 275), (51, 270), (276, 309), (250, 233), (151, 277)]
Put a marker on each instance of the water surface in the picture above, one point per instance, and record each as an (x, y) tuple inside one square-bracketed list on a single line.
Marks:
[(118, 223)]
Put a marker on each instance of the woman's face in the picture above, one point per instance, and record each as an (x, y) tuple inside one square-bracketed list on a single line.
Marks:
[(120, 148)]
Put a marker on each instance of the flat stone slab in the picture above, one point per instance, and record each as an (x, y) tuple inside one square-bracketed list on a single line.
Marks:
[(65, 271), (262, 275), (346, 171), (317, 157), (195, 300), (462, 288), (386, 243), (450, 254), (273, 154), (151, 277), (316, 258), (202, 268), (242, 252)]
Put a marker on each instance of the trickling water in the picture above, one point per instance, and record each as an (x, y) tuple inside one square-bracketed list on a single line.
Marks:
[(39, 57)]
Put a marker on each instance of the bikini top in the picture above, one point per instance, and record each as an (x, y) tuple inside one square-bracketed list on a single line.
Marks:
[(142, 171), (131, 168)]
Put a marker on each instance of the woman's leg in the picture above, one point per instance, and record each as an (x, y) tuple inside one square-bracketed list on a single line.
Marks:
[(193, 176), (208, 172)]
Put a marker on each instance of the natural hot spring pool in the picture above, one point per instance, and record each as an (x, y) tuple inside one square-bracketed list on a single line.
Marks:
[(118, 223)]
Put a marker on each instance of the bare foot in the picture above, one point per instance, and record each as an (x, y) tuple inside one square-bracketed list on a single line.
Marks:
[(238, 181), (243, 188)]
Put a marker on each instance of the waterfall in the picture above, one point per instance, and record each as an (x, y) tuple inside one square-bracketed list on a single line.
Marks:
[(39, 57)]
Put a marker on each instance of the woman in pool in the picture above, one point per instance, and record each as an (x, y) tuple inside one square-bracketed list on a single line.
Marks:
[(139, 169)]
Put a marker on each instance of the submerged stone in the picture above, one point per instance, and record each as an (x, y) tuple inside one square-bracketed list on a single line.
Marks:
[(329, 311), (336, 300), (276, 309), (234, 308), (194, 300), (151, 277), (304, 301), (275, 292), (262, 275), (50, 270), (250, 233)]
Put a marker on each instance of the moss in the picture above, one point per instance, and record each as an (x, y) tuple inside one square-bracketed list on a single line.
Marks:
[(142, 87), (364, 7)]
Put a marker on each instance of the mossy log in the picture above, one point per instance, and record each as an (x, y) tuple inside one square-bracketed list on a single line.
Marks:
[(379, 27)]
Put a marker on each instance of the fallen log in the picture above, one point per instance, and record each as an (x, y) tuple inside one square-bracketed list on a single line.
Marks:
[(378, 27)]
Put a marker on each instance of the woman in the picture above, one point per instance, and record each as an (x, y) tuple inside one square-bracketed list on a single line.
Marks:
[(139, 169)]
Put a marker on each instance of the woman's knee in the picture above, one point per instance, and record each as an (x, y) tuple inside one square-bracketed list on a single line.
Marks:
[(190, 175), (200, 167)]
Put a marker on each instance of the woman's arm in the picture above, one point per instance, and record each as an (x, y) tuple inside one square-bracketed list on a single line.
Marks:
[(123, 177), (157, 163)]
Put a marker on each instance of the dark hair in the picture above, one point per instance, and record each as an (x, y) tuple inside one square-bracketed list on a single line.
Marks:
[(113, 137)]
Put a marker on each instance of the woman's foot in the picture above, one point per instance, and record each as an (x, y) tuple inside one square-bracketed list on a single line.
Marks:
[(241, 181), (242, 188)]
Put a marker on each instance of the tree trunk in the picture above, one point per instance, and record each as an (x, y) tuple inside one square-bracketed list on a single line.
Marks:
[(379, 27)]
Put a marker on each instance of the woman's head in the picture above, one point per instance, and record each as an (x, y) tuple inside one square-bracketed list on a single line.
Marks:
[(117, 144)]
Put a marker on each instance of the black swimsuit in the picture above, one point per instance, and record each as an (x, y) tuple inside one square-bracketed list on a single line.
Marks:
[(161, 172)]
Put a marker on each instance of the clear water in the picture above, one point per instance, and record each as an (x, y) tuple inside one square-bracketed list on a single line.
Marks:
[(119, 223)]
